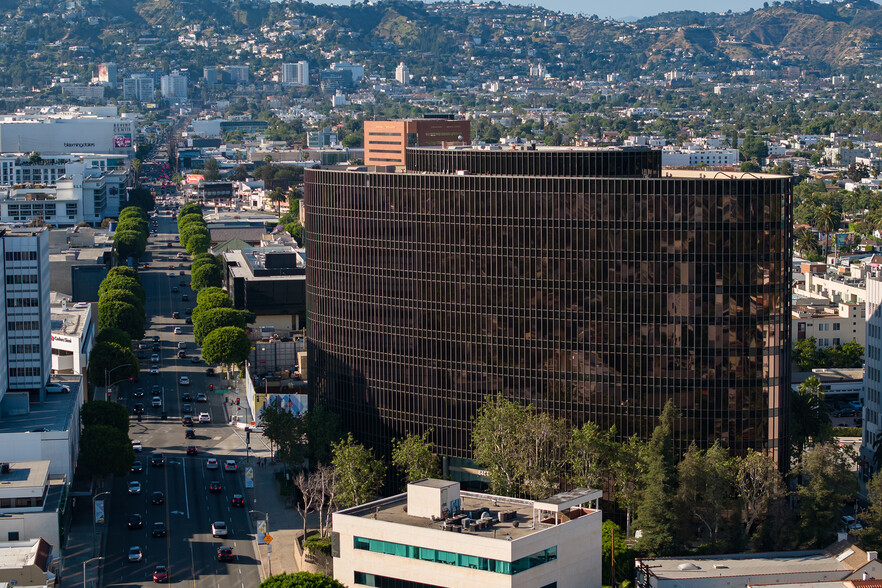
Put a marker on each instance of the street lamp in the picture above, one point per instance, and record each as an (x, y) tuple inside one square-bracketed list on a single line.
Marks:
[(94, 532), (84, 567), (110, 371), (269, 561)]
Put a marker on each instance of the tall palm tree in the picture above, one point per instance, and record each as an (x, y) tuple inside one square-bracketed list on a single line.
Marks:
[(809, 421), (827, 219), (807, 242)]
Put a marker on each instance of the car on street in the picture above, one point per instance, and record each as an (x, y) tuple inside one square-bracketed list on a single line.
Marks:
[(209, 371), (178, 330), (195, 359), (138, 393), (201, 397), (218, 529), (134, 487), (157, 497), (154, 357), (204, 417), (175, 289), (187, 408), (135, 521), (211, 464), (137, 467), (191, 450), (188, 311), (215, 487), (171, 267), (154, 369), (56, 388), (159, 529), (182, 354), (182, 345), (237, 500), (184, 381), (187, 421), (190, 434), (156, 402), (160, 574), (224, 553), (136, 446), (185, 297), (155, 338), (135, 554), (186, 397), (230, 466), (176, 315), (156, 390), (138, 408), (156, 346), (157, 460), (188, 321)]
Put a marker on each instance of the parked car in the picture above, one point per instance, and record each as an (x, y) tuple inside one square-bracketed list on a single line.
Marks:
[(56, 388)]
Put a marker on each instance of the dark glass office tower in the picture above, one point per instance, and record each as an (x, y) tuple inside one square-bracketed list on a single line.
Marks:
[(589, 283)]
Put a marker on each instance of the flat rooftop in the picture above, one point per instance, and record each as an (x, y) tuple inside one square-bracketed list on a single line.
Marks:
[(529, 520), (70, 319), (55, 414), (25, 474)]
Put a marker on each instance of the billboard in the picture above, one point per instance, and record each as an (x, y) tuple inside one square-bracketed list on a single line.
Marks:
[(122, 141), (195, 178)]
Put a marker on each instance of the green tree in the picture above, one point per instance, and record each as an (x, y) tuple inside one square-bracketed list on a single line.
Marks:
[(870, 538), (591, 455), (123, 271), (359, 473), (123, 283), (753, 148), (106, 451), (117, 295), (190, 230), (129, 244), (827, 219), (496, 440), (322, 431), (277, 195), (626, 476), (215, 318), (117, 336), (759, 484), (806, 355), (852, 354), (807, 242), (414, 457), (300, 580), (212, 169), (133, 212), (207, 293), (809, 421), (624, 561), (101, 412), (828, 483), (750, 167), (705, 492), (286, 432), (656, 512), (198, 243), (105, 356), (226, 345), (119, 315), (190, 208), (206, 276)]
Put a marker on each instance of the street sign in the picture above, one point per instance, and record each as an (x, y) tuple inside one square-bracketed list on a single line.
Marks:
[(268, 538)]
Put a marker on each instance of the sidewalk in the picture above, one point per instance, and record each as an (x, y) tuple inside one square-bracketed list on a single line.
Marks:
[(285, 524), (80, 545)]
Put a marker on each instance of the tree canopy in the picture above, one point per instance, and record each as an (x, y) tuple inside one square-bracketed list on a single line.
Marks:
[(300, 580), (206, 276), (360, 474), (106, 451), (226, 345), (123, 283), (107, 355), (215, 318), (113, 335), (413, 456), (120, 315), (101, 412)]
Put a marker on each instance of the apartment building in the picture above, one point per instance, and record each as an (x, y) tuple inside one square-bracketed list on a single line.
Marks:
[(385, 142), (830, 324)]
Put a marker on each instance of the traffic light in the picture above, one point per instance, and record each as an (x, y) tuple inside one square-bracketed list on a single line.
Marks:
[(237, 402), (108, 395)]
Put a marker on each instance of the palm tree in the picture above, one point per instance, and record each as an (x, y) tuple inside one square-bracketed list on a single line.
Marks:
[(807, 242), (809, 421), (827, 219), (278, 196)]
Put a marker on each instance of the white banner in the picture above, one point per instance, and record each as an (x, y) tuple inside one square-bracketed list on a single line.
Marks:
[(249, 477), (261, 532), (99, 512)]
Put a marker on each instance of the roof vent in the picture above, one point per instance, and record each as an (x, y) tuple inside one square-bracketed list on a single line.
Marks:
[(688, 567)]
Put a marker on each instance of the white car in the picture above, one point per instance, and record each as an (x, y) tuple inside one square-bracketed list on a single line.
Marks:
[(218, 529), (56, 388), (182, 345), (204, 417), (154, 369), (230, 465), (156, 402), (134, 487), (211, 464), (184, 381), (154, 358), (178, 330), (136, 445)]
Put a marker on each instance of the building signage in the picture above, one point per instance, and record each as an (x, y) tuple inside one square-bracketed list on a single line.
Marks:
[(79, 145), (122, 141), (61, 339)]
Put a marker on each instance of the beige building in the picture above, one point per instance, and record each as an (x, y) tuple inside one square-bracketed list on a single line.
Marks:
[(30, 563), (830, 325), (438, 535), (30, 500), (385, 142)]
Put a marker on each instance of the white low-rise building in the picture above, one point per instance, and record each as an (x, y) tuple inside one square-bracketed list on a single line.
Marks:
[(30, 499), (24, 168), (73, 334), (438, 535), (695, 157)]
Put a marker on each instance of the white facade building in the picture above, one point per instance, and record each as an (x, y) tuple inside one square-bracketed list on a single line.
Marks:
[(73, 335), (437, 535), (140, 88), (54, 135), (29, 502), (26, 318), (17, 168), (173, 86), (872, 374), (402, 74), (295, 74), (830, 325), (695, 157), (357, 71), (79, 91)]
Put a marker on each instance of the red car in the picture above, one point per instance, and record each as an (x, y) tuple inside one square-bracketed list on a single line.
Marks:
[(160, 575), (224, 553), (215, 488)]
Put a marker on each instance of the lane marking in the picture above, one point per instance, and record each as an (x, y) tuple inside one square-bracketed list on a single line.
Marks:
[(186, 493)]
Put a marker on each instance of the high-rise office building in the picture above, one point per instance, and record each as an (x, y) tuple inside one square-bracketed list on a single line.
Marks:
[(209, 74), (296, 74), (586, 282), (138, 88), (385, 141), (25, 344), (174, 86), (107, 74)]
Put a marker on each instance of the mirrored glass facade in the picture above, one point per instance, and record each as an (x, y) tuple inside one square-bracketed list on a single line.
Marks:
[(593, 298)]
